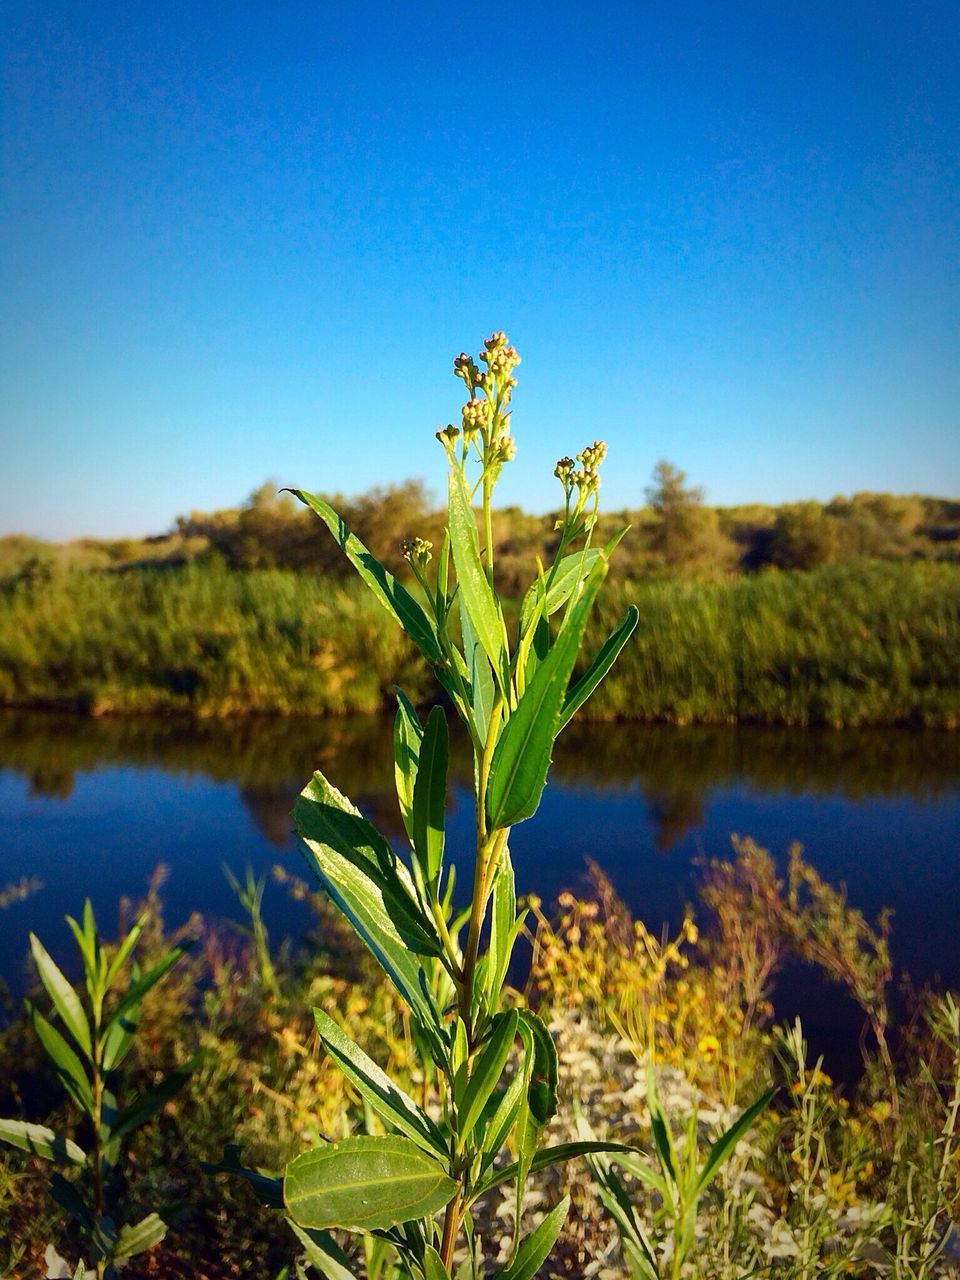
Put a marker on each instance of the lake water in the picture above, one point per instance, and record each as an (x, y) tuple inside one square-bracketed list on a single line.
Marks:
[(90, 807)]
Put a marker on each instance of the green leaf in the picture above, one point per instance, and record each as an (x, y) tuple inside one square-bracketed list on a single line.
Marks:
[(486, 1073), (503, 1118), (119, 1038), (394, 597), (365, 1183), (358, 869), (407, 734), (601, 664), (542, 1091), (545, 1158), (503, 928), (122, 952), (613, 1196), (660, 1130), (140, 1237), (535, 1250), (522, 755), (65, 999), (482, 687), (68, 1066), (433, 1268), (134, 994), (724, 1146), (323, 1252), (476, 594), (570, 571), (430, 796), (268, 1190), (41, 1141), (141, 1109), (373, 1084)]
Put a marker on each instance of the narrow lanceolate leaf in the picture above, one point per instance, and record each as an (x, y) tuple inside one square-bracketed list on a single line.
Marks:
[(131, 998), (725, 1144), (660, 1130), (522, 756), (504, 927), (122, 952), (430, 796), (323, 1253), (570, 571), (407, 733), (394, 597), (68, 1066), (601, 664), (40, 1141), (433, 1268), (486, 1073), (636, 1248), (140, 1237), (357, 868), (476, 594), (535, 1250), (65, 999), (545, 1158), (374, 1085), (365, 1184)]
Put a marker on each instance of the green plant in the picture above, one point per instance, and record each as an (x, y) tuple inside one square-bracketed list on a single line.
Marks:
[(514, 699), (250, 896), (103, 1029), (679, 1181)]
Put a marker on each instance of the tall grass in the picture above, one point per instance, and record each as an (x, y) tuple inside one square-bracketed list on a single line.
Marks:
[(864, 644), (198, 639), (842, 645)]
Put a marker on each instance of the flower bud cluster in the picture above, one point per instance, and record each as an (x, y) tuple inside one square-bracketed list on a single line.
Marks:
[(416, 551), (476, 415), (499, 356), (586, 480)]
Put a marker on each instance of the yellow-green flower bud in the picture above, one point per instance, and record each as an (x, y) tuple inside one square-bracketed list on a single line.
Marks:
[(416, 551), (476, 415)]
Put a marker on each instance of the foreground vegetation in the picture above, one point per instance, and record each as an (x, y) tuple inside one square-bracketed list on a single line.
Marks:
[(856, 1178), (871, 643)]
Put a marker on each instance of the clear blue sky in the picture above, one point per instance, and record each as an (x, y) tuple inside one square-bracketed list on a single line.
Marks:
[(246, 240)]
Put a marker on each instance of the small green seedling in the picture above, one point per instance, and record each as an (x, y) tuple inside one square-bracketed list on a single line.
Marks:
[(86, 1040)]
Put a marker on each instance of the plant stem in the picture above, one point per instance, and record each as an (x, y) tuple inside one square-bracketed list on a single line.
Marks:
[(451, 1229)]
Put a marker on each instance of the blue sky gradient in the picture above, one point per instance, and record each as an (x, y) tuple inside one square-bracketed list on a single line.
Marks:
[(246, 241)]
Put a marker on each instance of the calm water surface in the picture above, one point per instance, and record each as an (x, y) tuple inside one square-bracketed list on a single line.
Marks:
[(90, 807)]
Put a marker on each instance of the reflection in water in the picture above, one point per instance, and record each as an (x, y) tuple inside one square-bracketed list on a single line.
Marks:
[(674, 770), (91, 806)]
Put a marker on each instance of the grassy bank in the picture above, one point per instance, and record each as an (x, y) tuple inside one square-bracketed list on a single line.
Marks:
[(855, 644)]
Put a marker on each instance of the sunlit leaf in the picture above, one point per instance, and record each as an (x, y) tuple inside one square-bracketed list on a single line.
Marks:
[(522, 756), (535, 1250), (476, 594), (392, 595), (358, 869), (40, 1141), (373, 1084), (65, 999), (365, 1183), (607, 655)]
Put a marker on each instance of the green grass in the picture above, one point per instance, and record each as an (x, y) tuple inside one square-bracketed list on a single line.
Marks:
[(877, 643)]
